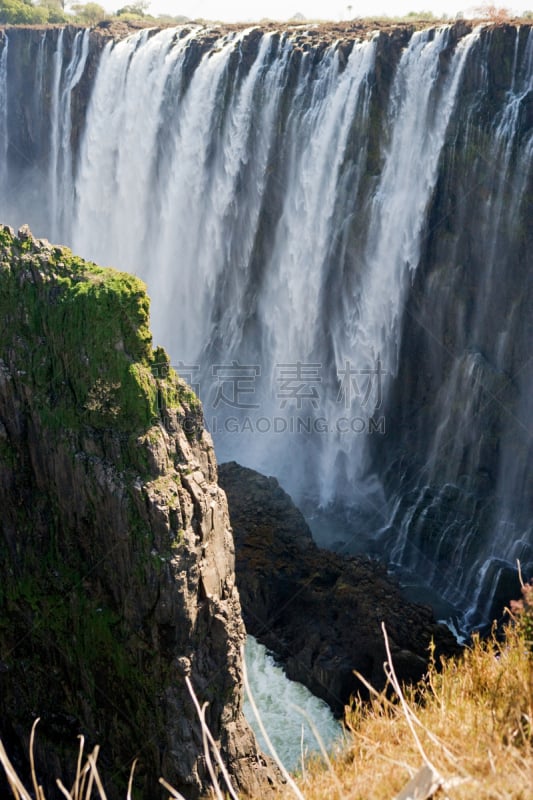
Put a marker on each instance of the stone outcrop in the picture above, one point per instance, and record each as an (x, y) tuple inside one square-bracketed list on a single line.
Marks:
[(116, 554), (320, 612)]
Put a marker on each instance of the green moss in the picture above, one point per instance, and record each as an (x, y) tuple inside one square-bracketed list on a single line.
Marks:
[(82, 333), (87, 658)]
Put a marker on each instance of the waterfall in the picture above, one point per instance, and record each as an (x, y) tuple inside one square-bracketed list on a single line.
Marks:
[(116, 161), (65, 79), (335, 237), (421, 103), (198, 248), (3, 118), (55, 137), (36, 155), (483, 403), (511, 170), (291, 302)]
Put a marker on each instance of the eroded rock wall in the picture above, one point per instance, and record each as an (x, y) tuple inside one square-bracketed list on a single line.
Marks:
[(116, 554)]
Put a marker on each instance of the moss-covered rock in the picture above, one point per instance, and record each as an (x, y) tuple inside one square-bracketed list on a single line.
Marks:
[(115, 549)]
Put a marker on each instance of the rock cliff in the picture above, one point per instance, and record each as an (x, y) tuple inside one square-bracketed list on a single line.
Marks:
[(116, 554), (319, 611)]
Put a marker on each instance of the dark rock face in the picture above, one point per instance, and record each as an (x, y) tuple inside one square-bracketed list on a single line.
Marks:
[(116, 553), (456, 448), (320, 612)]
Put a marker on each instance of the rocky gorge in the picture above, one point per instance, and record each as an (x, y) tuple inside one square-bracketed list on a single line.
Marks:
[(318, 611), (333, 224), (117, 556)]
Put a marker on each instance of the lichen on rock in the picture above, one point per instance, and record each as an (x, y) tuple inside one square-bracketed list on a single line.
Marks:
[(116, 553)]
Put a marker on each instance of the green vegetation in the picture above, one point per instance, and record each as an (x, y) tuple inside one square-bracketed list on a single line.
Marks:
[(85, 651), (53, 12), (89, 13), (72, 629), (98, 367), (22, 12), (89, 392)]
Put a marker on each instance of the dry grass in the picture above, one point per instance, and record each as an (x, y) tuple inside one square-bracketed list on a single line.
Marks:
[(86, 782), (471, 723), (469, 726)]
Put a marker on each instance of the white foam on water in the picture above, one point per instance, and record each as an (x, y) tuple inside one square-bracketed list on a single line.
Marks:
[(277, 699)]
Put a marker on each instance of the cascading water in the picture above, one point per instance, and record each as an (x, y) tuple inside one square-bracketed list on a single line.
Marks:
[(3, 117), (325, 230), (60, 169), (483, 402), (55, 137), (36, 159), (421, 103)]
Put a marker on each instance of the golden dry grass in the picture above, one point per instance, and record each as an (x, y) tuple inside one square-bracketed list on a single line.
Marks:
[(473, 721)]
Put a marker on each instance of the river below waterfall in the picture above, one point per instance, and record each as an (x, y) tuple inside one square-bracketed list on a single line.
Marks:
[(286, 709)]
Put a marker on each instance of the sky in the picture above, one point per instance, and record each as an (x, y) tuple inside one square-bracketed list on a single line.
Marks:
[(254, 10)]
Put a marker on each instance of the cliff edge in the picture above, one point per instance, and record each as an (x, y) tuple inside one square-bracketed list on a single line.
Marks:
[(116, 553)]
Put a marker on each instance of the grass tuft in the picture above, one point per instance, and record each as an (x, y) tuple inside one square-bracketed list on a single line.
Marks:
[(469, 723)]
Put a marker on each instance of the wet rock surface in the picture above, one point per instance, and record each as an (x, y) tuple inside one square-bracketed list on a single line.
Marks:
[(320, 612)]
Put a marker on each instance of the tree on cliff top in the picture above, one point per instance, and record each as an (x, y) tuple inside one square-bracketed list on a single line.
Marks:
[(21, 12), (89, 13), (24, 12), (137, 9)]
